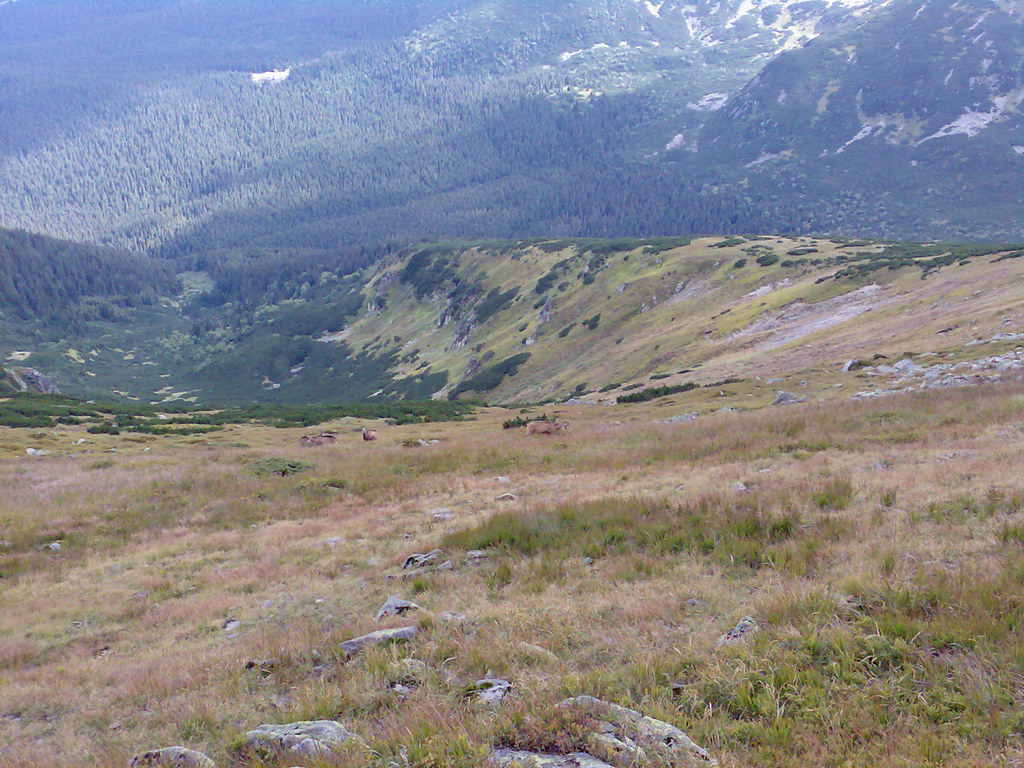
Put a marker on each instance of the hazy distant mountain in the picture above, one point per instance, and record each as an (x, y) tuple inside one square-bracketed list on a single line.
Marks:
[(915, 111), (140, 124)]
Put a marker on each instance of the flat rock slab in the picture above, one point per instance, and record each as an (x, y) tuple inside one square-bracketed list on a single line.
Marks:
[(171, 757), (396, 635), (511, 758), (312, 738)]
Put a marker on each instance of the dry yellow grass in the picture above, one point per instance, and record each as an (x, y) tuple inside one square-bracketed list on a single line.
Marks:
[(878, 544)]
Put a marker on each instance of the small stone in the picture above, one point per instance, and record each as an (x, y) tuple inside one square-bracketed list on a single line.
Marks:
[(508, 497), (738, 487), (396, 606), (489, 690), (333, 542), (447, 565), (502, 479), (231, 624), (171, 757), (477, 556), (422, 560), (587, 561), (54, 546), (744, 627), (263, 666)]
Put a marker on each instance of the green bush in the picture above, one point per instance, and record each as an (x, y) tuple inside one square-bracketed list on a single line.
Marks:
[(653, 393), (281, 467)]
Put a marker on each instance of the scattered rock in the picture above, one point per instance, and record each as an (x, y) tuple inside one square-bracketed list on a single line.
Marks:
[(510, 758), (422, 560), (54, 546), (36, 452), (477, 556), (502, 479), (396, 606), (738, 487), (333, 542), (171, 757), (397, 635), (632, 730), (231, 624), (746, 626), (587, 561), (265, 666), (681, 418), (489, 690), (508, 497), (315, 738), (788, 398), (441, 515), (849, 366)]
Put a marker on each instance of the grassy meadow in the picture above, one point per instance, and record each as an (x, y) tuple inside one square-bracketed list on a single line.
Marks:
[(879, 546)]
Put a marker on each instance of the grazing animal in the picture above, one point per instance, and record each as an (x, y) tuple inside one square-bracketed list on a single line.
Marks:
[(369, 435), (546, 427)]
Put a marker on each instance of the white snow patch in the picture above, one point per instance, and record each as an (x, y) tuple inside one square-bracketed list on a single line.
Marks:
[(273, 76), (1019, 149), (764, 158)]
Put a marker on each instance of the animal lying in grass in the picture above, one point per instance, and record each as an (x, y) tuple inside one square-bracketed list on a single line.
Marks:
[(546, 427), (315, 441), (369, 435)]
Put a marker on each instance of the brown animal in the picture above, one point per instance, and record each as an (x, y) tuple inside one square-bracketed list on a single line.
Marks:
[(369, 434), (316, 441), (546, 427)]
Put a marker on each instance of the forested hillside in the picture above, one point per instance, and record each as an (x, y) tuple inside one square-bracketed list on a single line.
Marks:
[(396, 121), (59, 286)]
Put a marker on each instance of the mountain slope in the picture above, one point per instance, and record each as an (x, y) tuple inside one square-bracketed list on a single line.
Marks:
[(538, 320), (479, 119), (945, 138)]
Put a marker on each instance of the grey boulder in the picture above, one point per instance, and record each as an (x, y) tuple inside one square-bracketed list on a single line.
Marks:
[(396, 635), (396, 606), (312, 738)]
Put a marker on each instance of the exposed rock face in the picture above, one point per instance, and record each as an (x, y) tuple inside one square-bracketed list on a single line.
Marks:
[(315, 738), (171, 757), (31, 380), (628, 733), (397, 635)]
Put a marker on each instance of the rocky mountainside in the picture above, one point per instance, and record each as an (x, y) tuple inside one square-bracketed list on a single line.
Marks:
[(830, 123), (460, 118)]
